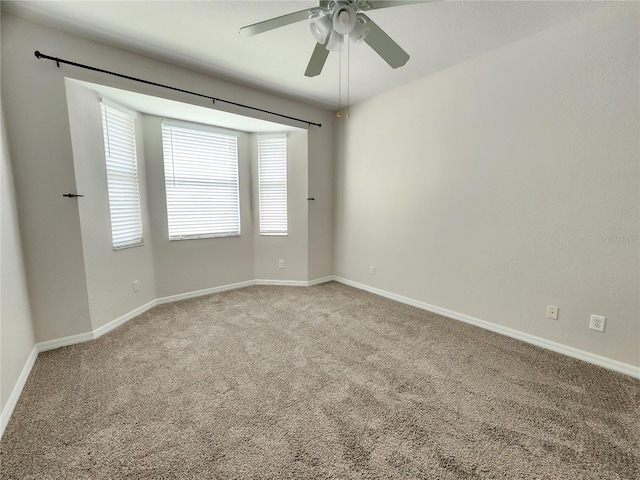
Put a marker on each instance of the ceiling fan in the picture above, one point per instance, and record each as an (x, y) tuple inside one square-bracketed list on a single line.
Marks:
[(331, 20)]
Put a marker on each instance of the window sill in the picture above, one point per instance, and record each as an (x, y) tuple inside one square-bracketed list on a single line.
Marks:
[(124, 247), (198, 237)]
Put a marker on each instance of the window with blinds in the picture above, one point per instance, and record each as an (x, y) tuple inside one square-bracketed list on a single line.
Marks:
[(272, 184), (122, 176), (201, 181)]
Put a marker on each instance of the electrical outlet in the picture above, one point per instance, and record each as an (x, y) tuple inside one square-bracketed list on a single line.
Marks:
[(136, 287), (552, 312), (280, 263), (597, 323), (372, 270)]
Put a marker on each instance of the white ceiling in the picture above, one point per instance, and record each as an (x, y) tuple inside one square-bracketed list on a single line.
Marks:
[(204, 35)]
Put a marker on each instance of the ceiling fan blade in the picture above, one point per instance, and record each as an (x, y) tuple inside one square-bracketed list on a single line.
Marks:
[(376, 4), (277, 22), (383, 45), (318, 57)]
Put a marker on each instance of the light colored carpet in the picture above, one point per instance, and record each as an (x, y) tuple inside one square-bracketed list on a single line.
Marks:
[(318, 383)]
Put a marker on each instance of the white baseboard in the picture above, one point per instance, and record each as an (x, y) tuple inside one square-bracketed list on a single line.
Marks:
[(318, 281), (605, 362), (295, 283), (206, 291), (283, 283), (98, 332), (7, 411), (64, 341)]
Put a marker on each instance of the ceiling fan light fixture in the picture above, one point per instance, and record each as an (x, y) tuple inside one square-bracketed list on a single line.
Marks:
[(359, 32), (335, 42), (320, 27), (344, 19)]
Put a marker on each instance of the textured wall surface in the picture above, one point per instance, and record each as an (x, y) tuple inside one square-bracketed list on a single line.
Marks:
[(507, 183), (16, 330), (38, 132)]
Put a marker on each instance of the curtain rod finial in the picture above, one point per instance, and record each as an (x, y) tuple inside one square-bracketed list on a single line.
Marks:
[(37, 54)]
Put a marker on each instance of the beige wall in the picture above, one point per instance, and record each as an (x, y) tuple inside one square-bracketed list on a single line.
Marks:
[(189, 265), (16, 331), (109, 273), (63, 299), (42, 160), (493, 188), (292, 248), (321, 210)]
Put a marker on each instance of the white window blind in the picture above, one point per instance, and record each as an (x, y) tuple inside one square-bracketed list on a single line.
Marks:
[(201, 182), (272, 184), (122, 177)]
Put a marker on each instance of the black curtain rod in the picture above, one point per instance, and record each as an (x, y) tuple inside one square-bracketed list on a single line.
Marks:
[(214, 99)]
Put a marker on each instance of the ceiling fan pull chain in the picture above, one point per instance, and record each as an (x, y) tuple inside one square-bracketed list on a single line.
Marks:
[(348, 107), (340, 81)]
